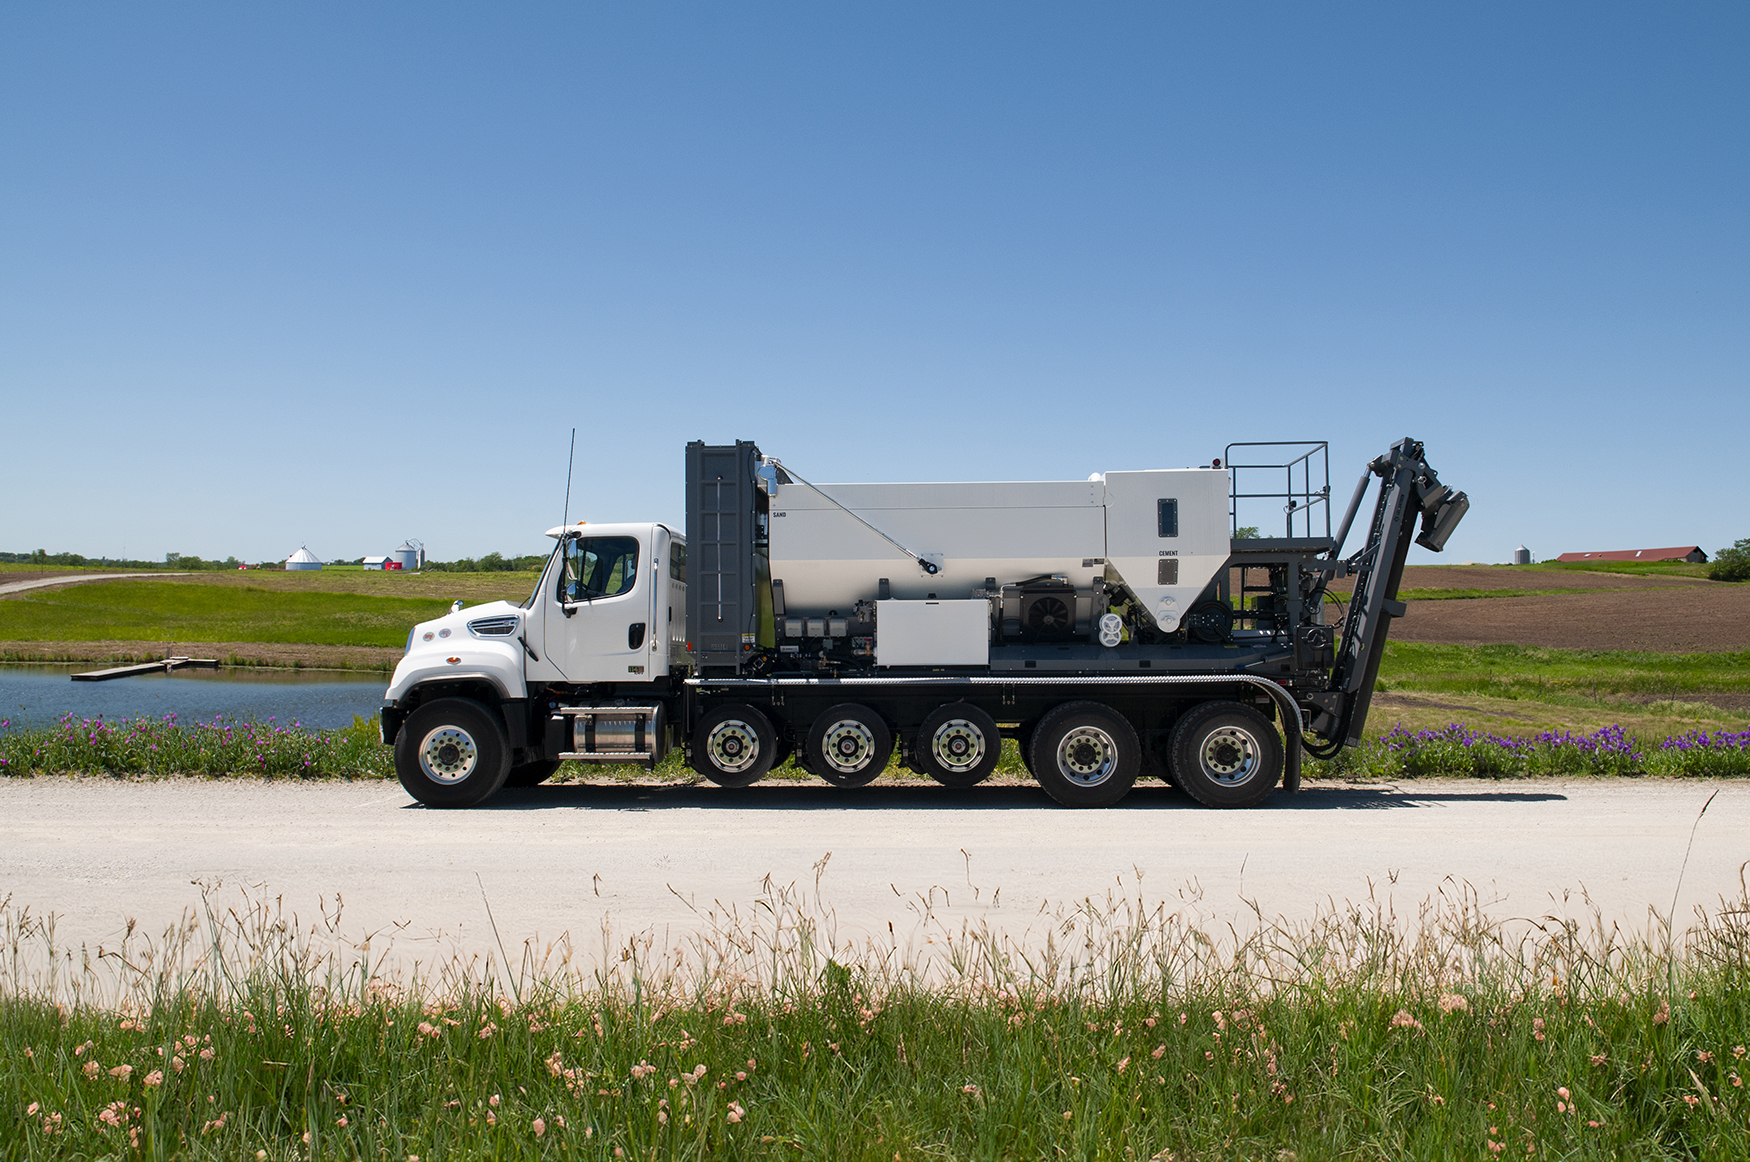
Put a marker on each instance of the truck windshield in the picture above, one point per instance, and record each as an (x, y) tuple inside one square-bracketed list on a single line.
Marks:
[(598, 567)]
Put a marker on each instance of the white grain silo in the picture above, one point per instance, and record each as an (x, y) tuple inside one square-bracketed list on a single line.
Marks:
[(1522, 556), (303, 559), (411, 555)]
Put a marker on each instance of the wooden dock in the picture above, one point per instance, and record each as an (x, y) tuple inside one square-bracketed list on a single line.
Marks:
[(163, 667)]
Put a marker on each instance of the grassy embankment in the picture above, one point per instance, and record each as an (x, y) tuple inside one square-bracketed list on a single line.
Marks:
[(172, 611), (335, 620), (1631, 568), (1519, 689), (1118, 1031)]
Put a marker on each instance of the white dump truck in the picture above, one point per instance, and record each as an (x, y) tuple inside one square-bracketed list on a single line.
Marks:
[(1114, 627)]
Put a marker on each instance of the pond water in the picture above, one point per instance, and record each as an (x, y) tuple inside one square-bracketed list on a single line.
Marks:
[(38, 695)]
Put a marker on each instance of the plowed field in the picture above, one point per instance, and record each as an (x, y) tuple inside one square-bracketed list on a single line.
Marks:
[(1596, 611)]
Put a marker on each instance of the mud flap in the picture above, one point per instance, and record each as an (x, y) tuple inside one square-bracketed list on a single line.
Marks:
[(1291, 762)]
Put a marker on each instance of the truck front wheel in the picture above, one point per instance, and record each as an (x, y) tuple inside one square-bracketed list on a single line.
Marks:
[(1085, 755), (734, 746), (1225, 754), (452, 752)]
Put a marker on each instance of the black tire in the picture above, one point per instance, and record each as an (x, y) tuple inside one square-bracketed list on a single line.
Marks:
[(848, 745), (532, 774), (958, 745), (734, 746), (1085, 755), (1226, 754), (452, 753)]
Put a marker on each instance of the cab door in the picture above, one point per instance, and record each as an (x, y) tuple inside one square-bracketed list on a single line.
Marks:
[(601, 628)]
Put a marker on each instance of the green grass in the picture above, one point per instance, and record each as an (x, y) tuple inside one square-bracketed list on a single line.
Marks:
[(25, 568), (1633, 568), (1467, 594), (159, 747), (182, 612), (1130, 1034), (1534, 674)]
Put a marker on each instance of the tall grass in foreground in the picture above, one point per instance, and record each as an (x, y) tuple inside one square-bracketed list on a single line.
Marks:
[(1113, 1029)]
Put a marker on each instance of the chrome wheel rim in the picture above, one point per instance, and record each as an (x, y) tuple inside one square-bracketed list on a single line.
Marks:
[(1231, 755), (733, 746), (1087, 756), (847, 746), (448, 755), (957, 746)]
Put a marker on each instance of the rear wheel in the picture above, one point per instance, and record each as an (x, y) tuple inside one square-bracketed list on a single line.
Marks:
[(1226, 754), (958, 745), (452, 752), (734, 746), (532, 774), (848, 745), (1085, 755)]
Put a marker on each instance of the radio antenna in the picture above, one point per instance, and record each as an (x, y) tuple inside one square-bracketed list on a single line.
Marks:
[(569, 460)]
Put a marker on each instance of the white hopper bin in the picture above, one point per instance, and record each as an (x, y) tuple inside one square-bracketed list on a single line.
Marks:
[(303, 559)]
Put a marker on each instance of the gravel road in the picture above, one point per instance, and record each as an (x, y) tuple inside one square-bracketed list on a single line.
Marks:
[(10, 587), (555, 859)]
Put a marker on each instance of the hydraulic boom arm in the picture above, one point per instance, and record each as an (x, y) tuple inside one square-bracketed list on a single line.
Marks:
[(1408, 488)]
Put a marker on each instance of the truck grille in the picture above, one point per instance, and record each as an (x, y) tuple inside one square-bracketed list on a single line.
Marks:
[(494, 626)]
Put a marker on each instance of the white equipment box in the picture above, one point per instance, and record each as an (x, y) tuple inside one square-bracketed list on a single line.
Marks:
[(932, 633)]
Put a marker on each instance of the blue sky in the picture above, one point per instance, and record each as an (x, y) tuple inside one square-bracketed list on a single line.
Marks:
[(341, 274)]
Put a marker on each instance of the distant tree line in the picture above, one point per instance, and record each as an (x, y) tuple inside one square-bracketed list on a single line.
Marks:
[(490, 563), (171, 561), (1731, 564)]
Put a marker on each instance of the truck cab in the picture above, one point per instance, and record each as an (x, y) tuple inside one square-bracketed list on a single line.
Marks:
[(611, 606), (475, 692)]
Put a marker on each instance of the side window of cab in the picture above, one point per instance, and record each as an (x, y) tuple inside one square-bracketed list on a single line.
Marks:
[(597, 567)]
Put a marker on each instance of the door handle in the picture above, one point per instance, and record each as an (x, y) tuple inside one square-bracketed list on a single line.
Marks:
[(635, 635)]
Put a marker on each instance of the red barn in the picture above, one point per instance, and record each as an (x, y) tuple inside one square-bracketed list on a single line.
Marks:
[(1691, 553)]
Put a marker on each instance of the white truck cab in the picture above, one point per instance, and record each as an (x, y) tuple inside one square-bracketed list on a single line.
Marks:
[(610, 607)]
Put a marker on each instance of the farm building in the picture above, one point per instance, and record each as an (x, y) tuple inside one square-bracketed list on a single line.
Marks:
[(410, 555), (1690, 553), (381, 563), (303, 559)]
